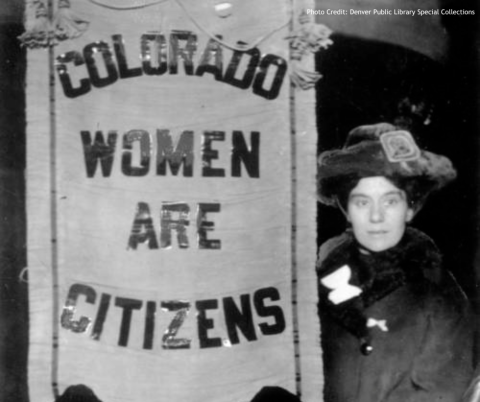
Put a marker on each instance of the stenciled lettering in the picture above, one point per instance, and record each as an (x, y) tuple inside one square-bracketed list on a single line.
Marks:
[(181, 309), (263, 73), (185, 52), (142, 231), (181, 154), (174, 218), (128, 306), (98, 150), (67, 319), (170, 153), (225, 322), (142, 138), (239, 318)]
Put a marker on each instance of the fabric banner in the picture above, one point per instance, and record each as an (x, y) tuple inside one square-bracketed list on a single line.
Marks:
[(171, 202)]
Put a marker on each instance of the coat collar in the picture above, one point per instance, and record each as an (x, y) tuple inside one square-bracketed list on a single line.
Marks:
[(350, 281)]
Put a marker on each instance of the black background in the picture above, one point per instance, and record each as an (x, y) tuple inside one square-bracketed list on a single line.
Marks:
[(367, 82)]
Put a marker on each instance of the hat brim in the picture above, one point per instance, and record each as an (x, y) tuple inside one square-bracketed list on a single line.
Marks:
[(368, 159)]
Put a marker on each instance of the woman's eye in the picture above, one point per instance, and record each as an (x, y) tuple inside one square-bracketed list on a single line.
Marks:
[(361, 203), (391, 201)]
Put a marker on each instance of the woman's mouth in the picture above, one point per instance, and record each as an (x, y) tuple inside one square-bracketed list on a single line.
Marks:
[(377, 232)]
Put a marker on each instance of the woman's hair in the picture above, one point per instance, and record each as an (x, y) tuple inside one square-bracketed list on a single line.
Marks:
[(416, 189)]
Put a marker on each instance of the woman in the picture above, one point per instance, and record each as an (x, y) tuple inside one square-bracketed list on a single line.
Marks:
[(395, 325)]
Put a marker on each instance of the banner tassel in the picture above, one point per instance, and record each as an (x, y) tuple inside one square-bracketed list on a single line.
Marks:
[(39, 34), (67, 24)]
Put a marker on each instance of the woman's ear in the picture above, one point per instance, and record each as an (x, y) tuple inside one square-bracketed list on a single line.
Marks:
[(410, 215)]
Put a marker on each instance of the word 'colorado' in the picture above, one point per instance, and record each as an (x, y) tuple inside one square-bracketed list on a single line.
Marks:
[(219, 322), (263, 73)]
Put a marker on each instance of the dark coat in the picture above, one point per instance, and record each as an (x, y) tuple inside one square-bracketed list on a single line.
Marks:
[(421, 352)]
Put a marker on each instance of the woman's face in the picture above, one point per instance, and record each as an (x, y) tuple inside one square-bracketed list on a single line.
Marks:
[(378, 212)]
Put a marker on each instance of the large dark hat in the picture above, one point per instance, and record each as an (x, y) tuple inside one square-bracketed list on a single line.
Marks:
[(380, 150)]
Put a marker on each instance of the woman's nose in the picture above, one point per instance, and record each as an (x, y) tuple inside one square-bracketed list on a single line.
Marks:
[(376, 213)]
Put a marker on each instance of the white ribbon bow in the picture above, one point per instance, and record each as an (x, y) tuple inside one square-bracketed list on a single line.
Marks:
[(341, 289), (382, 324)]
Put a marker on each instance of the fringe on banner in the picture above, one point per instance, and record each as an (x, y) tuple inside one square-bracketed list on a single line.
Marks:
[(309, 37), (44, 31)]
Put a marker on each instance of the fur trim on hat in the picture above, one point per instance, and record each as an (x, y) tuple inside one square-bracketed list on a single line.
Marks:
[(380, 150)]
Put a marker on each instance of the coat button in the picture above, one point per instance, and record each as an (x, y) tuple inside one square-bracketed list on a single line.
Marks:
[(366, 349)]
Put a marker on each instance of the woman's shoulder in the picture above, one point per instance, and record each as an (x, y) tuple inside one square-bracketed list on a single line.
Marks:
[(330, 245)]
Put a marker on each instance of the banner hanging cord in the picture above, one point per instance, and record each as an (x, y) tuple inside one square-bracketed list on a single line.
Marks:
[(125, 8), (211, 35), (293, 199), (53, 212), (225, 44)]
